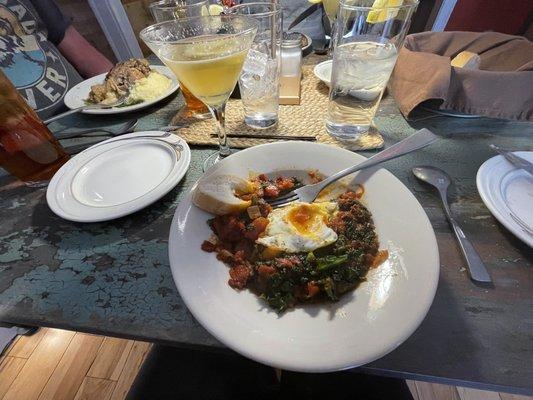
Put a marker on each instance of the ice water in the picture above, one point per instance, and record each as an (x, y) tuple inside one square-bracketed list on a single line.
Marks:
[(259, 87), (360, 73)]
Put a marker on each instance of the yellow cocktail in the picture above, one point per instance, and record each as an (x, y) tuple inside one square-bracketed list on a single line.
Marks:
[(209, 69), (331, 7), (207, 55)]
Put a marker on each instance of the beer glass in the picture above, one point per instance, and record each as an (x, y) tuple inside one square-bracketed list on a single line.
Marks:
[(28, 150)]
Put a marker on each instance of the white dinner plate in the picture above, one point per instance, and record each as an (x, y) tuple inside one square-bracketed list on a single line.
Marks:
[(505, 189), (118, 177), (323, 71), (76, 96), (364, 325)]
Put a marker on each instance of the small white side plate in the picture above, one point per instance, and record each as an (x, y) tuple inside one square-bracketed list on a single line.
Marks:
[(323, 71), (76, 96), (505, 188), (118, 177)]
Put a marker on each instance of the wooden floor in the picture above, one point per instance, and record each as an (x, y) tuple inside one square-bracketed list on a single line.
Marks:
[(55, 364)]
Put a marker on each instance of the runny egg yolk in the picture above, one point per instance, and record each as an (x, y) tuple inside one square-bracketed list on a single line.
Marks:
[(299, 227), (305, 217)]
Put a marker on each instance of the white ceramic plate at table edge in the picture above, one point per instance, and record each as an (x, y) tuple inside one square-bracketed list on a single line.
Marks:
[(489, 179), (323, 71), (364, 325), (77, 95), (117, 177)]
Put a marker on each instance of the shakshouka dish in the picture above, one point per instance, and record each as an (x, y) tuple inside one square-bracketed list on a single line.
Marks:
[(133, 78), (303, 252)]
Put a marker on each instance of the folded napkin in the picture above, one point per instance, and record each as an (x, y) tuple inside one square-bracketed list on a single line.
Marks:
[(501, 88)]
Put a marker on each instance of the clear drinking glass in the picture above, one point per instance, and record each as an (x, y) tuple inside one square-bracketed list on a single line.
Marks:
[(367, 43), (168, 10), (206, 54), (259, 80)]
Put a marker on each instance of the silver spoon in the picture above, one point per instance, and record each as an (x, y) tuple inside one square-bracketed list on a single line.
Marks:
[(439, 179)]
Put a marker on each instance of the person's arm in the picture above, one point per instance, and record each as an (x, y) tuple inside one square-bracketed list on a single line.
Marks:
[(82, 55), (78, 51)]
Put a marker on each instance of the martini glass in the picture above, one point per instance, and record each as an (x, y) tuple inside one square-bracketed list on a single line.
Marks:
[(167, 10), (207, 55), (331, 7)]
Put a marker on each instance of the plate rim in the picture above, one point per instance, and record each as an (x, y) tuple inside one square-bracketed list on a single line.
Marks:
[(166, 145), (181, 169), (162, 69), (317, 67), (483, 175), (186, 203)]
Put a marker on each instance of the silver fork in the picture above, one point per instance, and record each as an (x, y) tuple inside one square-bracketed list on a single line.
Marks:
[(309, 193), (120, 101)]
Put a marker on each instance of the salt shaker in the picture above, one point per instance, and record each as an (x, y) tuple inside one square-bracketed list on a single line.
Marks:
[(291, 69)]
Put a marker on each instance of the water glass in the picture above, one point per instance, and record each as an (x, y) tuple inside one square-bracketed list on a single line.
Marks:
[(367, 42), (259, 80), (167, 10)]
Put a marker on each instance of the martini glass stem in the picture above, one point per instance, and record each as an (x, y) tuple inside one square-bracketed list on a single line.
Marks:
[(219, 113)]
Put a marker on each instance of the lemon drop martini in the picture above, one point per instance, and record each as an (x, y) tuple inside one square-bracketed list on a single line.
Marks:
[(206, 54), (167, 10), (331, 7), (208, 66)]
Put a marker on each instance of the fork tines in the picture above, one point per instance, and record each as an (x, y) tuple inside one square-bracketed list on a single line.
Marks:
[(282, 200)]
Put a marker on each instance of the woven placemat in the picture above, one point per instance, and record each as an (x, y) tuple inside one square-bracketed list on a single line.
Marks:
[(294, 120)]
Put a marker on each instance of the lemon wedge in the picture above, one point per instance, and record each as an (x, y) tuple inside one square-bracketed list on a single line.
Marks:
[(383, 15), (314, 1), (214, 9)]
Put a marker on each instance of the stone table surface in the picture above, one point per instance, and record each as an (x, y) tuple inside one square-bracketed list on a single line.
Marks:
[(113, 278)]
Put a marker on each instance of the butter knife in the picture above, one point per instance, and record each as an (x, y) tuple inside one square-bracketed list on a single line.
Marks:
[(306, 13), (517, 161)]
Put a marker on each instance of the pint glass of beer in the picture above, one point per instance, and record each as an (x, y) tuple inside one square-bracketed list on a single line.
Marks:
[(28, 150)]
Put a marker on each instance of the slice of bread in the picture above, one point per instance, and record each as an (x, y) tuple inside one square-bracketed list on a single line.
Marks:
[(466, 60), (217, 194)]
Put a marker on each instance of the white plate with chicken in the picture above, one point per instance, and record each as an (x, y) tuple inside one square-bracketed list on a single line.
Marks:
[(138, 82)]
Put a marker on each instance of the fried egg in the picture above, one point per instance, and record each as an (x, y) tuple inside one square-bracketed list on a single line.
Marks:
[(299, 227)]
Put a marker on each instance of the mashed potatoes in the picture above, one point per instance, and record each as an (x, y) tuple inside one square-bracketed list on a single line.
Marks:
[(149, 88)]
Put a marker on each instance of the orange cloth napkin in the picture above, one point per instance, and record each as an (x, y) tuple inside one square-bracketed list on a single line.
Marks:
[(501, 88)]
